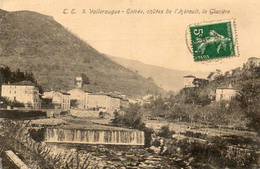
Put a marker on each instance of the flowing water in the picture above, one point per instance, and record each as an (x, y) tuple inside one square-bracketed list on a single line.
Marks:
[(92, 136)]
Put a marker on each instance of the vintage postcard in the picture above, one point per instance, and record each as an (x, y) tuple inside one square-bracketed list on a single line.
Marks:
[(129, 84)]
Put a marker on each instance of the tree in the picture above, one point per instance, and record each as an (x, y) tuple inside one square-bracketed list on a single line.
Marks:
[(200, 82), (132, 118), (195, 95), (166, 132), (159, 106), (250, 101), (85, 78), (6, 102)]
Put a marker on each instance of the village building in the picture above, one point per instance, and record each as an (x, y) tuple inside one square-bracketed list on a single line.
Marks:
[(97, 103), (225, 93), (59, 100), (188, 81), (103, 103), (78, 98), (24, 92)]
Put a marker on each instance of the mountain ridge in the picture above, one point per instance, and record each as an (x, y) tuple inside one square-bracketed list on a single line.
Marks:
[(168, 79), (37, 43)]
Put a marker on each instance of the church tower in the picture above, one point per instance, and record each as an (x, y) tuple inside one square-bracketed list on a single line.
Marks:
[(79, 82)]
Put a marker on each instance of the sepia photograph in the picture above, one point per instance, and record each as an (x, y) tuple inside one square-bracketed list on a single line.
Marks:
[(129, 84)]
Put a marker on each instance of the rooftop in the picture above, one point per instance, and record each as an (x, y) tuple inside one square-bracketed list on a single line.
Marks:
[(189, 76), (22, 83), (253, 58), (77, 89), (226, 87)]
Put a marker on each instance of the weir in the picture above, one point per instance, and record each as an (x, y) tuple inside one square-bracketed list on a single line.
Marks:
[(116, 136)]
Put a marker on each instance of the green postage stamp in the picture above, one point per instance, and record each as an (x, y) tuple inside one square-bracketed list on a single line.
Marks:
[(213, 40)]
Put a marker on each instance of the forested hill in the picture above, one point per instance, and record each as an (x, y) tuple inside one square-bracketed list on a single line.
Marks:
[(239, 78), (37, 43)]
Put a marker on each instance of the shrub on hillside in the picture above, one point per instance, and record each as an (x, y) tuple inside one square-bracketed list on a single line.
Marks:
[(215, 153), (249, 100), (217, 113), (165, 132)]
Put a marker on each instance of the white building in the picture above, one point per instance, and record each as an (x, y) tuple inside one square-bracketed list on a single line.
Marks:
[(60, 100), (78, 98), (188, 81), (24, 92), (104, 102), (225, 93), (97, 102)]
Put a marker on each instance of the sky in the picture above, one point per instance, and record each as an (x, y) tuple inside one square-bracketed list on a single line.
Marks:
[(157, 39)]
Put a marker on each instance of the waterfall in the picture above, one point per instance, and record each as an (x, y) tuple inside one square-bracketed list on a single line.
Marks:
[(92, 136)]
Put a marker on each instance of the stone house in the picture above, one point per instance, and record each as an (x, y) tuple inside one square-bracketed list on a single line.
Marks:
[(103, 102), (78, 98), (188, 81), (225, 93), (60, 100), (24, 92)]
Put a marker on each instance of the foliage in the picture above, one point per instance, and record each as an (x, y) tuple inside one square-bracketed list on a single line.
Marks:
[(132, 118), (250, 101), (158, 106), (165, 132), (15, 76), (200, 82), (37, 134), (195, 96), (16, 136), (193, 106), (214, 153), (9, 76), (57, 61), (6, 102), (197, 104), (217, 113), (85, 78)]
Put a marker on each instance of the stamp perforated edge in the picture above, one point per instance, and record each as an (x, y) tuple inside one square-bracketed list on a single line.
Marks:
[(204, 23)]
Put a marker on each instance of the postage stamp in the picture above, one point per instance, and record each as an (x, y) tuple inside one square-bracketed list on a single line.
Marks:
[(213, 40)]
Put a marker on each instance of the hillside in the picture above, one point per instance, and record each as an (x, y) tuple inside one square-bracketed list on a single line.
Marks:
[(242, 79), (37, 43), (168, 79)]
